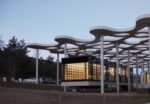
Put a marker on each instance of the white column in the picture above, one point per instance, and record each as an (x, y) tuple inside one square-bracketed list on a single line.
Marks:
[(149, 41), (57, 68), (37, 65), (137, 71), (142, 71), (65, 53), (129, 79), (102, 64), (117, 67), (85, 65), (148, 65), (65, 50), (143, 65)]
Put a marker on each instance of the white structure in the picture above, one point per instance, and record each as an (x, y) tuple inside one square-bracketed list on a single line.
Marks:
[(120, 45)]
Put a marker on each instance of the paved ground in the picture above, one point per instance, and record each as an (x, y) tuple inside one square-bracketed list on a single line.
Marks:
[(30, 96)]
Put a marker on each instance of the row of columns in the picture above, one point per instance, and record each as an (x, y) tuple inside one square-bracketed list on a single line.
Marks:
[(117, 67), (102, 64), (142, 70), (128, 66)]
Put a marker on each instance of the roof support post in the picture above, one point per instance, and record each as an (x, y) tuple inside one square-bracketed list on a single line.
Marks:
[(142, 71), (129, 79), (102, 64), (148, 65), (65, 54), (149, 41), (57, 69), (85, 76), (37, 66), (143, 65), (65, 50), (137, 72), (117, 67)]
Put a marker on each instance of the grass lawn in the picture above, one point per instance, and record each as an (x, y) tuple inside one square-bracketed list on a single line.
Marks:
[(30, 96)]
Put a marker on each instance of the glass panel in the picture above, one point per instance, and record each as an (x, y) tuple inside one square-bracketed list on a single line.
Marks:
[(91, 71), (148, 78), (76, 71), (111, 73), (98, 72), (94, 72), (122, 73)]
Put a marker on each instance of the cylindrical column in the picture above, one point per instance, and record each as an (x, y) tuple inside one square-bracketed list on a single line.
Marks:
[(148, 65), (65, 53), (129, 80), (149, 41), (102, 64), (65, 50), (142, 71), (57, 68), (137, 72), (85, 76), (143, 65), (117, 66), (37, 65)]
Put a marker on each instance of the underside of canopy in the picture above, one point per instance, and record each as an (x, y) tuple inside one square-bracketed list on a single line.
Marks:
[(134, 39)]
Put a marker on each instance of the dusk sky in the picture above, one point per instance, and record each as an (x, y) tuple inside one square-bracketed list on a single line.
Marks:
[(39, 21)]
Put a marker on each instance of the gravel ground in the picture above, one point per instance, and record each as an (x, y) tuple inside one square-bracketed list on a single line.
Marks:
[(30, 96)]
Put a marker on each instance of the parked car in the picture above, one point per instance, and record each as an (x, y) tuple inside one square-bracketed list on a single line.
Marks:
[(41, 80), (29, 80), (48, 81)]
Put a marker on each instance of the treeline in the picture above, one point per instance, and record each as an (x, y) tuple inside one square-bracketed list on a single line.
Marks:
[(15, 63)]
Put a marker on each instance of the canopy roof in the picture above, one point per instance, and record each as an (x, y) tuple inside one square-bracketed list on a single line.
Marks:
[(134, 39)]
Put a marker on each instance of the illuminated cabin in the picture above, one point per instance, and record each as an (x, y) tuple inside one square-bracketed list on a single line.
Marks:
[(85, 71)]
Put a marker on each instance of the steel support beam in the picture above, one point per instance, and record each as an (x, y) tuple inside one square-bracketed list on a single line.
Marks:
[(137, 72), (57, 69), (148, 65), (65, 53), (143, 65), (149, 42), (129, 74), (65, 50), (142, 71), (102, 64), (117, 67), (37, 66)]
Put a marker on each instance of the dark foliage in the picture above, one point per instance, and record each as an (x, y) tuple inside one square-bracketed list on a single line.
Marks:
[(14, 62)]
